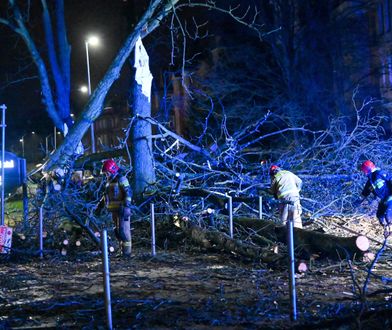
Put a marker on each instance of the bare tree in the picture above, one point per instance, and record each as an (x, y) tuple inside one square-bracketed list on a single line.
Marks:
[(56, 96), (54, 74)]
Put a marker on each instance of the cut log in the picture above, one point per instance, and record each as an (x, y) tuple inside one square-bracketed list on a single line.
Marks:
[(210, 239), (308, 242)]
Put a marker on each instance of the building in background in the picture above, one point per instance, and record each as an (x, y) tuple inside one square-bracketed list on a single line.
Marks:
[(110, 127)]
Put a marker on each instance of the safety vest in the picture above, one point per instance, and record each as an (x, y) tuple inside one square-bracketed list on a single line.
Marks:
[(286, 184), (118, 193)]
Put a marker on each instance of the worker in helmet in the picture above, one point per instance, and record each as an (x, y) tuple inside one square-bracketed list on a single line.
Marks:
[(379, 184), (118, 199), (285, 186)]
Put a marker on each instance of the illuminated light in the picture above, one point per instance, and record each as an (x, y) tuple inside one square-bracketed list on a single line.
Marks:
[(72, 115), (209, 210), (177, 174), (84, 89), (8, 164), (33, 132), (93, 41)]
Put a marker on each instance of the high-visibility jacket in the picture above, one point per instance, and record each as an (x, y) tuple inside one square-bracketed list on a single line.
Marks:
[(118, 193), (379, 183), (285, 185)]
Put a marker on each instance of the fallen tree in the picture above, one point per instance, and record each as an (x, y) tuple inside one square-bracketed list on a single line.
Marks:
[(267, 236), (308, 243), (213, 239)]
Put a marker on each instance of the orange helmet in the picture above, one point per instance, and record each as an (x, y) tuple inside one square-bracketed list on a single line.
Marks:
[(367, 167), (274, 169), (110, 166)]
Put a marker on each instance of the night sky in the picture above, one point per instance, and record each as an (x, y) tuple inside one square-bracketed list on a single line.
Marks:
[(26, 113), (301, 74)]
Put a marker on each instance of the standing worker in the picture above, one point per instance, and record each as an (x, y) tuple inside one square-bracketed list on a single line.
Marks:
[(379, 183), (285, 186), (118, 199)]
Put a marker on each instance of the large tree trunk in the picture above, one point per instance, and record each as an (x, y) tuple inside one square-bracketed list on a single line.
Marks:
[(212, 239), (142, 156), (308, 242)]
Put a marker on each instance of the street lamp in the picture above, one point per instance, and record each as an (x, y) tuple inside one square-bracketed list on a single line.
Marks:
[(93, 41), (84, 89)]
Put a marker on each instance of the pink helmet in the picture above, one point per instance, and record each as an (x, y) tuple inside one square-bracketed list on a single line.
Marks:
[(110, 166)]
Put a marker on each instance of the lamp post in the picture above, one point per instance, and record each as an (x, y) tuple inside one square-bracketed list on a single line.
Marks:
[(93, 41), (3, 107), (21, 140), (47, 145)]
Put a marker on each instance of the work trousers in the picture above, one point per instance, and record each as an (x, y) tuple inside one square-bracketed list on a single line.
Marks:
[(290, 210), (384, 213), (123, 231)]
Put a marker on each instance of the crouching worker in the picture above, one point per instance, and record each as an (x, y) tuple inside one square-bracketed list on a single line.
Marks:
[(285, 186), (379, 184), (118, 198)]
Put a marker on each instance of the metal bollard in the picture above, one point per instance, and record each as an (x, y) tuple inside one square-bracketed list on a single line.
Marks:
[(153, 252), (261, 207), (23, 168), (41, 228), (290, 243), (106, 278), (231, 215)]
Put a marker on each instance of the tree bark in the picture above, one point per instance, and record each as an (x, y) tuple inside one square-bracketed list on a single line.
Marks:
[(149, 22), (211, 239), (142, 154), (308, 242)]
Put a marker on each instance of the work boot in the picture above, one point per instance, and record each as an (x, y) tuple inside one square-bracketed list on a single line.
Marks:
[(126, 248)]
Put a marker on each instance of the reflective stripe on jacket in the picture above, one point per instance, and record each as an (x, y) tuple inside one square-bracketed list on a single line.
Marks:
[(118, 193), (377, 184)]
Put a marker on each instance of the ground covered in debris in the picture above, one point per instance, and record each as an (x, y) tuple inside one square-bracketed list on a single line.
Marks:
[(186, 287)]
